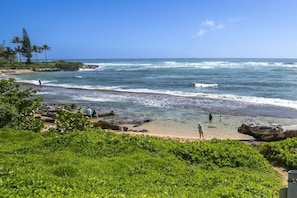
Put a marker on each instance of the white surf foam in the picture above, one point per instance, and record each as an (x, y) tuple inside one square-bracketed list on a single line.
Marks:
[(204, 85)]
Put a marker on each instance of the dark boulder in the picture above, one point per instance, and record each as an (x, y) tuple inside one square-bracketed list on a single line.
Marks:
[(109, 125), (268, 133)]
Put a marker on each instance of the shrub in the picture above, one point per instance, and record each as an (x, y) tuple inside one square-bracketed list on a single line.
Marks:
[(68, 66), (282, 153), (68, 121), (17, 106)]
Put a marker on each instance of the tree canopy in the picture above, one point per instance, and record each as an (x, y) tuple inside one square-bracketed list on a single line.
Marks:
[(26, 46), (17, 107)]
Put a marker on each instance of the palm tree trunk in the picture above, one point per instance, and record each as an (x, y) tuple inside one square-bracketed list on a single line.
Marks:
[(45, 55)]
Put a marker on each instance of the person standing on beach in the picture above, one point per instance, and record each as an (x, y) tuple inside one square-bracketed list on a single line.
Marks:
[(200, 130), (210, 117), (89, 112)]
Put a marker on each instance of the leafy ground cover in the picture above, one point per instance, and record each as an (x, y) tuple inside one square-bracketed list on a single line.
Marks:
[(95, 163), (281, 153)]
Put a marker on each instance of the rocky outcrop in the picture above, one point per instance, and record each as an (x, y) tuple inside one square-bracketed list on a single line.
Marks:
[(108, 125), (268, 132), (48, 114), (47, 70), (106, 114), (90, 67)]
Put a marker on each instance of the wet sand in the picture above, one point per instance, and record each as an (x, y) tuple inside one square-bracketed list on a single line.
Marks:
[(224, 128)]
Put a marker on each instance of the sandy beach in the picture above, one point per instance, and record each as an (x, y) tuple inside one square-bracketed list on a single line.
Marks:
[(15, 71), (224, 128)]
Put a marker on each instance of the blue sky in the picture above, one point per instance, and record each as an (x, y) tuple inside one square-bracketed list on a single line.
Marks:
[(155, 28)]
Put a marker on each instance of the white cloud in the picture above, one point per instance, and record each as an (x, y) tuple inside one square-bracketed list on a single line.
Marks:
[(201, 33), (211, 23)]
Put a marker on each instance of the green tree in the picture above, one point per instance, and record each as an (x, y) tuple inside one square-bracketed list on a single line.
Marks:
[(17, 107), (26, 46), (18, 41), (45, 48), (36, 49), (18, 50), (9, 54)]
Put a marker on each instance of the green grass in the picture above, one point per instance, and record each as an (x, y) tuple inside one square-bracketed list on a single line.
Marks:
[(102, 164)]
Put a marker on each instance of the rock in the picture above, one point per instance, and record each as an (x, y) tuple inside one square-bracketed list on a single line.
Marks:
[(106, 114), (108, 125), (90, 66), (47, 119), (139, 123), (47, 70), (268, 133)]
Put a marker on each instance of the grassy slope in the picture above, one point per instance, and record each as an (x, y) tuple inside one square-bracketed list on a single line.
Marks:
[(102, 164)]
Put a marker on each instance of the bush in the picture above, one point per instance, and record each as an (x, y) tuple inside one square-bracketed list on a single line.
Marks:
[(17, 106), (68, 121), (68, 66), (282, 153), (218, 153)]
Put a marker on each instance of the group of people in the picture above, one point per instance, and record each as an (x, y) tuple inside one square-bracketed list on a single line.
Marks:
[(200, 126), (91, 114)]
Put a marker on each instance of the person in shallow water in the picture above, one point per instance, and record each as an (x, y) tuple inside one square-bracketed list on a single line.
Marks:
[(210, 117)]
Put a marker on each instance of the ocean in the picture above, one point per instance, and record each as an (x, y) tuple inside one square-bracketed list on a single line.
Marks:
[(177, 89)]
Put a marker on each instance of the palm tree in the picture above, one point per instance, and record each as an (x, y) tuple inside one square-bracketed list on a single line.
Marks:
[(45, 48), (18, 41), (18, 49), (9, 54), (36, 49)]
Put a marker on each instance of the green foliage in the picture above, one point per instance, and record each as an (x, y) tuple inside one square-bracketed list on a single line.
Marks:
[(282, 153), (221, 154), (68, 121), (60, 65), (26, 46), (95, 163), (17, 106), (7, 113), (68, 66)]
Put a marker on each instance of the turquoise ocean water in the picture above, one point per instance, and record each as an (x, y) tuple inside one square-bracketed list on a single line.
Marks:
[(173, 89)]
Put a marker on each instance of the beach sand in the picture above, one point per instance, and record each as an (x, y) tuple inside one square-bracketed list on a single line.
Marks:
[(15, 71), (224, 128)]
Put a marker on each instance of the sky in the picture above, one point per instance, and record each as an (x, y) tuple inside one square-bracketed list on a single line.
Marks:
[(102, 29)]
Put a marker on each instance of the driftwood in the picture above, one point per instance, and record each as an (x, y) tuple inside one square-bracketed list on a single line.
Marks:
[(268, 133)]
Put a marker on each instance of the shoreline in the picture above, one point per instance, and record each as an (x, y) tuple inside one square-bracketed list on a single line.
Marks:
[(15, 71), (186, 128), (225, 128)]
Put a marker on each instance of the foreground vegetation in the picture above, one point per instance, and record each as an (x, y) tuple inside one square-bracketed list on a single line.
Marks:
[(95, 163), (282, 153)]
